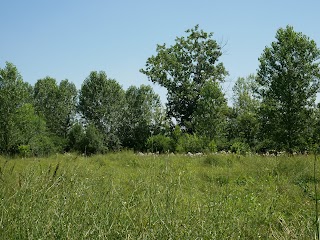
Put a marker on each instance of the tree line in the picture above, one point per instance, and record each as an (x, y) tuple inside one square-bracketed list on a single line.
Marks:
[(273, 109)]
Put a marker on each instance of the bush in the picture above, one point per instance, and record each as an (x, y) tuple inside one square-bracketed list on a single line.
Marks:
[(75, 136), (265, 145), (223, 144), (92, 141), (240, 148), (24, 150), (190, 143), (88, 140), (212, 146), (159, 143), (42, 145), (60, 143)]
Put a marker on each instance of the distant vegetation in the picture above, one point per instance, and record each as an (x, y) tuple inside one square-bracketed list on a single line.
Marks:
[(273, 109)]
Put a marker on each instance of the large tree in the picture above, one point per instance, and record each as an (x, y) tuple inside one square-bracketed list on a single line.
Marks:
[(140, 119), (288, 78), (183, 69), (56, 104), (102, 103), (68, 97), (243, 124), (209, 119), (14, 95)]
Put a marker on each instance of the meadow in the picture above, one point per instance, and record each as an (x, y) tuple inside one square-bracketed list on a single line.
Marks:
[(126, 196)]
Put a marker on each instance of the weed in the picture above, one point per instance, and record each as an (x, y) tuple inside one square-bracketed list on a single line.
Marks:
[(213, 160), (125, 196)]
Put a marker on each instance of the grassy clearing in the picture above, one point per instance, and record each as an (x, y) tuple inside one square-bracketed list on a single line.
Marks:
[(124, 196)]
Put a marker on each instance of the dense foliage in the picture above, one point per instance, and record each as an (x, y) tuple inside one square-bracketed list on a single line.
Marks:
[(274, 109), (185, 69), (288, 80)]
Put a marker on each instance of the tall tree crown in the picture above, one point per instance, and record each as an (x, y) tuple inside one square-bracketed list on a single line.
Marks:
[(288, 79), (183, 69)]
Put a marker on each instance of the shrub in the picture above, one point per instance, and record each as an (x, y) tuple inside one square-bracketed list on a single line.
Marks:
[(24, 150), (223, 144), (60, 143), (240, 148), (159, 143), (190, 143), (265, 145), (75, 136), (42, 145), (212, 146), (92, 141)]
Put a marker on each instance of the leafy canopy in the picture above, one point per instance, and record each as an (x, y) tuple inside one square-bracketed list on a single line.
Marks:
[(140, 117), (14, 94), (183, 69), (288, 79), (101, 103)]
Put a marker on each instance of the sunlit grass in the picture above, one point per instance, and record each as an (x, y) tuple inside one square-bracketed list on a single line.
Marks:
[(125, 196)]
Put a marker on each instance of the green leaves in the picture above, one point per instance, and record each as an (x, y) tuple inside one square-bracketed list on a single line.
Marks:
[(243, 125), (288, 79), (274, 109), (14, 94), (141, 117), (209, 119), (102, 102), (183, 69), (56, 104)]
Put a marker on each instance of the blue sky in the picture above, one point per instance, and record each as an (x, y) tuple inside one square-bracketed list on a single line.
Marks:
[(66, 39)]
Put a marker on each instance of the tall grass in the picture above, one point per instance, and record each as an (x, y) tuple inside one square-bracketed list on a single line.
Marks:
[(124, 196)]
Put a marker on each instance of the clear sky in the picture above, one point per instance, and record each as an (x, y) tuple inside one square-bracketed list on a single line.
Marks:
[(66, 39)]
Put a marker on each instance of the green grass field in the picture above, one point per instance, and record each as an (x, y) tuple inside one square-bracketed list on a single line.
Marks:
[(125, 196)]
